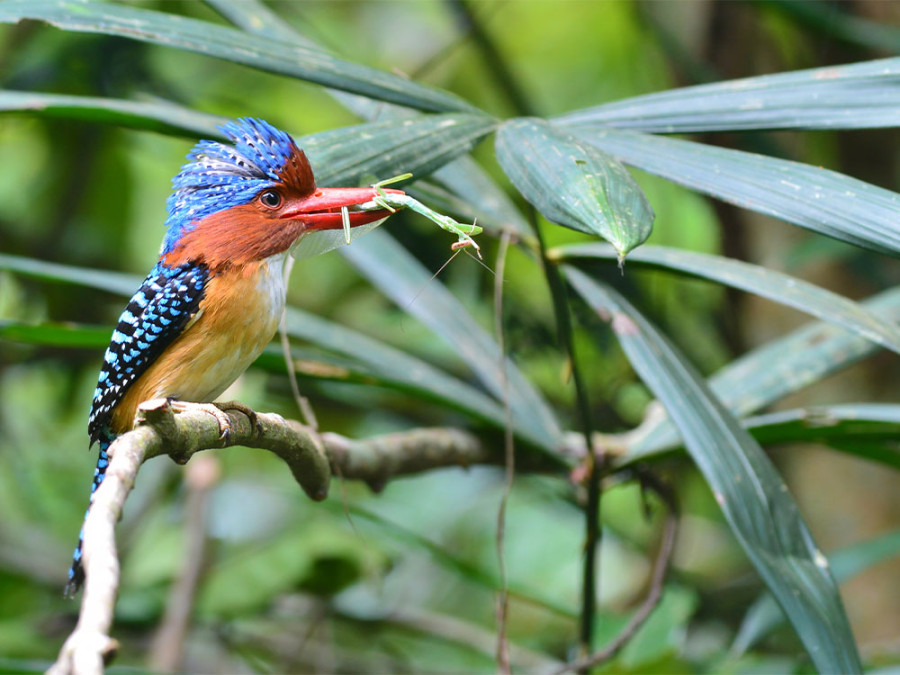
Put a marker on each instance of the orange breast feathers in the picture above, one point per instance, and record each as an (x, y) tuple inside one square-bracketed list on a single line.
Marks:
[(238, 316)]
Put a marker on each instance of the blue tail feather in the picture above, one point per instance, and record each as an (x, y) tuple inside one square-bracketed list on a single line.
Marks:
[(76, 572)]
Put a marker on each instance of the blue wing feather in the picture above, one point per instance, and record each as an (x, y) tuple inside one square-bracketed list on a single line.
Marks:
[(155, 316)]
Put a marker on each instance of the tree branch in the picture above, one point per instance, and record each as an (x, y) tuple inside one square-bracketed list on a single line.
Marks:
[(161, 430), (376, 460)]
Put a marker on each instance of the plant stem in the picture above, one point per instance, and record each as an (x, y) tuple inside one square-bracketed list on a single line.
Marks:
[(593, 460), (657, 582), (503, 662)]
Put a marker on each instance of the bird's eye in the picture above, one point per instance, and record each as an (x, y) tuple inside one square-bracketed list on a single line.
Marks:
[(270, 198)]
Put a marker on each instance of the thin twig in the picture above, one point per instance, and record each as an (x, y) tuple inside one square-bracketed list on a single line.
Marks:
[(594, 462), (306, 409), (167, 650), (657, 583), (502, 655)]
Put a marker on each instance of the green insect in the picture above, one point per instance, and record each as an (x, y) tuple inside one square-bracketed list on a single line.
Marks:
[(395, 202), (316, 243)]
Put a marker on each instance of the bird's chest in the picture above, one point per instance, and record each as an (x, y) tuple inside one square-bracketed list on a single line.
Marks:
[(238, 316)]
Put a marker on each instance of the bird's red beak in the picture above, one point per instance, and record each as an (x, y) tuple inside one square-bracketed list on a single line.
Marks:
[(322, 209)]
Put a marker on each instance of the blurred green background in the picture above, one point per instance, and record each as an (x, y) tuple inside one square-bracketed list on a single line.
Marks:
[(404, 581)]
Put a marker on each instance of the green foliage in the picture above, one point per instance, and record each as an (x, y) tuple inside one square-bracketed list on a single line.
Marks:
[(754, 498), (406, 580), (573, 184)]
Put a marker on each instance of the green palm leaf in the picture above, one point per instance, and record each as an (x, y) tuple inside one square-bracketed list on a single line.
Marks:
[(754, 499), (573, 184), (230, 44), (764, 615), (402, 278), (761, 281), (823, 201), (776, 369), (856, 96)]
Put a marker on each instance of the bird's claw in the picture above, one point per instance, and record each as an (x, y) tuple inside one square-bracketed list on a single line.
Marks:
[(215, 409), (249, 412)]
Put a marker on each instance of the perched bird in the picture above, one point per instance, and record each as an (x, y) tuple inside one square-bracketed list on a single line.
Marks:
[(215, 298)]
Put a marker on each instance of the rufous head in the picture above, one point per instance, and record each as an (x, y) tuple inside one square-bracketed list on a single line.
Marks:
[(234, 204)]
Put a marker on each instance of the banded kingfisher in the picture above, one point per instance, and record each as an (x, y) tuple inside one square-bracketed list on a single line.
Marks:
[(215, 298)]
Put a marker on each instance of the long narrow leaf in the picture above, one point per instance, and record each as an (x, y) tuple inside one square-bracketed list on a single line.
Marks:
[(388, 363), (573, 184), (754, 499), (159, 116), (860, 421), (255, 17), (767, 283), (402, 278), (477, 194), (867, 431), (839, 23), (863, 430), (55, 334), (202, 37), (776, 369), (342, 156), (820, 200), (765, 615), (369, 361), (381, 150), (114, 282), (856, 96)]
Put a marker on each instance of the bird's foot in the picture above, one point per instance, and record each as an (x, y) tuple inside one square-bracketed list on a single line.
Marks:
[(249, 412), (209, 408), (219, 410)]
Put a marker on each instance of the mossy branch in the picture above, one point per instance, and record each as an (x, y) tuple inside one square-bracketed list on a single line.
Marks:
[(183, 430)]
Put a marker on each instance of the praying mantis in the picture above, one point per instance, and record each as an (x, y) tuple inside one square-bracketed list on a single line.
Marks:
[(394, 202)]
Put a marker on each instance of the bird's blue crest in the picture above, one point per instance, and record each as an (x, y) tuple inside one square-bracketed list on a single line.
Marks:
[(219, 176)]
